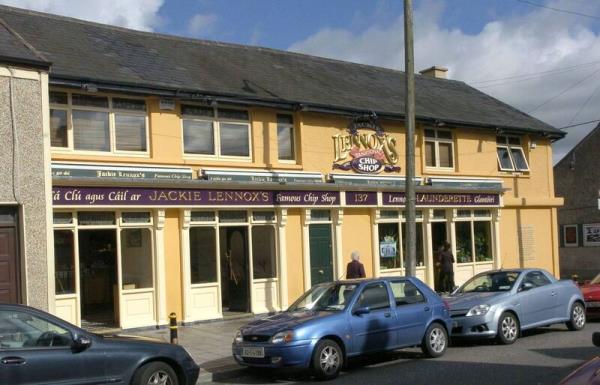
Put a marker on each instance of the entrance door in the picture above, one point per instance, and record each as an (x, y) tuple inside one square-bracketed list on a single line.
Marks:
[(235, 280), (439, 235), (321, 253), (98, 278), (9, 265)]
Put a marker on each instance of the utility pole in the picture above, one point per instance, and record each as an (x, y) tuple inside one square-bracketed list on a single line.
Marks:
[(409, 68)]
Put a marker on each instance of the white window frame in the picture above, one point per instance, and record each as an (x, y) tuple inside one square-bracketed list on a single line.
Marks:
[(471, 219), (399, 221), (69, 107), (570, 244), (436, 145), (291, 126), (216, 125), (586, 243), (509, 147)]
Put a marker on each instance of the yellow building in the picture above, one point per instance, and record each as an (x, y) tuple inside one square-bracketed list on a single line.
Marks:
[(209, 179)]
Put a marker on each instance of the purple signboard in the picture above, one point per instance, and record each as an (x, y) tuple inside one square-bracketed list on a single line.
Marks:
[(138, 196), (443, 199), (361, 198)]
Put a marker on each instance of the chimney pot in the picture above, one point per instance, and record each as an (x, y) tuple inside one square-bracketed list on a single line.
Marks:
[(435, 72)]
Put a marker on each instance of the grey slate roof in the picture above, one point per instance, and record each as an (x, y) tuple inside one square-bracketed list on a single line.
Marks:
[(100, 53), (14, 49)]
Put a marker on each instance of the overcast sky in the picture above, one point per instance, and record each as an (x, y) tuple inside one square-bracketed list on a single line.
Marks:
[(543, 61)]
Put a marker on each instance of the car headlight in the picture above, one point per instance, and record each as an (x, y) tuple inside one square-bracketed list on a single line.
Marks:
[(282, 337), (478, 310), (239, 338)]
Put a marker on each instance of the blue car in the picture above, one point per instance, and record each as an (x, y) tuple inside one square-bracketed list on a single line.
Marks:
[(334, 321), (501, 303)]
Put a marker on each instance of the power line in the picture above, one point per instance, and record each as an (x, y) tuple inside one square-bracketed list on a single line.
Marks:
[(584, 104), (538, 74), (559, 10), (579, 124), (564, 91)]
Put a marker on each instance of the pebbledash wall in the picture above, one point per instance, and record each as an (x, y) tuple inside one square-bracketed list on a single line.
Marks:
[(26, 265), (309, 214)]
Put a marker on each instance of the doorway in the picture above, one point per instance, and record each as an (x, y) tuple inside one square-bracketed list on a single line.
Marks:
[(235, 279), (439, 235), (321, 253), (9, 265), (98, 278)]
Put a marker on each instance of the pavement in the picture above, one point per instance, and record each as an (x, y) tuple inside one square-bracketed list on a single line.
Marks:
[(541, 357)]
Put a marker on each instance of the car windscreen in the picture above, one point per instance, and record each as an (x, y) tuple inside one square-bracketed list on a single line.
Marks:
[(490, 282), (329, 297), (596, 280)]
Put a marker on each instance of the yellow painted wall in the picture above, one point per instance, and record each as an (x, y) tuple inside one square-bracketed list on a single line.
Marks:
[(356, 235), (173, 263), (294, 256)]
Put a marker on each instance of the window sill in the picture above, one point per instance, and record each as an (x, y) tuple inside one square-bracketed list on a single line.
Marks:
[(433, 170), (120, 154)]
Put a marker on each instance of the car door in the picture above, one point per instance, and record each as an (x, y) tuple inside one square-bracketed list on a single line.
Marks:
[(538, 303), (36, 351), (412, 312), (373, 330)]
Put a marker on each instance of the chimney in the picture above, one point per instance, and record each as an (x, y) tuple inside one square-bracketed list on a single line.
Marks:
[(435, 72)]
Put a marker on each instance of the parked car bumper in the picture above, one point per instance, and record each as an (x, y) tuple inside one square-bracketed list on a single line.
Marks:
[(592, 308), (474, 326), (297, 355)]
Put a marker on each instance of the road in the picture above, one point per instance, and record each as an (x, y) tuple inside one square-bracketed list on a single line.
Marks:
[(542, 356)]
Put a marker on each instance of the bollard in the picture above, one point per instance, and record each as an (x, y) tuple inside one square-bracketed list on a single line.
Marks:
[(173, 327)]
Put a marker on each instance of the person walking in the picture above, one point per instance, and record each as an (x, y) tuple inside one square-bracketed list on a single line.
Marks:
[(446, 263), (355, 268)]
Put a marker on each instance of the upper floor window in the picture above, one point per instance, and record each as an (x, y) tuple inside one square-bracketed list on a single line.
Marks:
[(439, 148), (84, 122), (285, 137), (216, 132), (511, 156)]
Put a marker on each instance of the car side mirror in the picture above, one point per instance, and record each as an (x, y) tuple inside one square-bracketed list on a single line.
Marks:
[(596, 339), (81, 343), (361, 310), (526, 286)]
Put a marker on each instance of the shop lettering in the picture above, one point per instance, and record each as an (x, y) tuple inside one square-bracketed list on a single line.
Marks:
[(238, 196), (343, 144), (175, 196)]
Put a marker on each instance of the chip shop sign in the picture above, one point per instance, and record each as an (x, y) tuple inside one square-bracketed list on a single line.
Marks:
[(138, 196), (369, 148)]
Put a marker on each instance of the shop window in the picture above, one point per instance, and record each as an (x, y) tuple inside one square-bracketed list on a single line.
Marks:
[(285, 137), (202, 216), (64, 262), (439, 214), (263, 252), (389, 253), (203, 255), (320, 215), (263, 216), (62, 218), (136, 259), (388, 214), (439, 148), (129, 217), (483, 241), (96, 218), (420, 256), (98, 123), (215, 132), (511, 156), (464, 252), (232, 216)]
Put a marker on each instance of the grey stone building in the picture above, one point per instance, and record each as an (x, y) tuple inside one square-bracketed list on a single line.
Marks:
[(577, 179), (25, 188)]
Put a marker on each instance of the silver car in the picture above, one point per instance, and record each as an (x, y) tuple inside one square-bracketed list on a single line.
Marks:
[(501, 303)]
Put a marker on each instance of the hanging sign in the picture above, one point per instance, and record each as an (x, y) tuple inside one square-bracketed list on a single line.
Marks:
[(365, 148)]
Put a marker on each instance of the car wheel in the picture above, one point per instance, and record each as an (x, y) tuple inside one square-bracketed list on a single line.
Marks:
[(508, 328), (328, 360), (155, 373), (577, 321), (435, 341)]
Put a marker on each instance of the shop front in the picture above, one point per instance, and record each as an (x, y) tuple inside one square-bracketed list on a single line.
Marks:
[(127, 256)]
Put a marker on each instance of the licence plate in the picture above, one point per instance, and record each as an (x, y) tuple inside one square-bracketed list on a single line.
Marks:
[(593, 304), (253, 352)]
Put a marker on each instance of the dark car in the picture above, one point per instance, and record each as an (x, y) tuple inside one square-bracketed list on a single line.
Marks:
[(38, 348), (588, 373), (334, 321), (591, 295)]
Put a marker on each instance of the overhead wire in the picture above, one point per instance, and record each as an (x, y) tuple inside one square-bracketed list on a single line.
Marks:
[(559, 9)]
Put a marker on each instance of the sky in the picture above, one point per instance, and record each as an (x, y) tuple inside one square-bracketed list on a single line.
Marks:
[(540, 56)]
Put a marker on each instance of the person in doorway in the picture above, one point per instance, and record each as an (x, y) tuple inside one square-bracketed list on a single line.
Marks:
[(355, 268), (446, 263)]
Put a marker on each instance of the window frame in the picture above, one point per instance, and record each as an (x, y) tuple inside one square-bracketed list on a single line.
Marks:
[(505, 144), (36, 347), (292, 127), (564, 236), (358, 305), (405, 282), (399, 221), (216, 121), (436, 140), (70, 107), (471, 219)]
